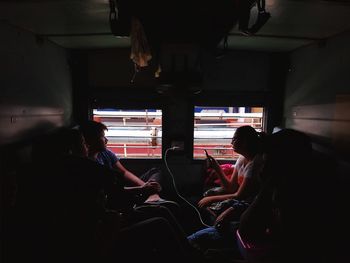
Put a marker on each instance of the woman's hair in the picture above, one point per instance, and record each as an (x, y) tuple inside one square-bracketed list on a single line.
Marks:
[(252, 138)]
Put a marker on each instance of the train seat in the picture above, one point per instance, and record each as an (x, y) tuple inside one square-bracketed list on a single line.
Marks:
[(256, 253)]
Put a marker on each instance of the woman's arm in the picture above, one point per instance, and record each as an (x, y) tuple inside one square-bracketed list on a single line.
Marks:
[(227, 184), (244, 189), (206, 201), (242, 192)]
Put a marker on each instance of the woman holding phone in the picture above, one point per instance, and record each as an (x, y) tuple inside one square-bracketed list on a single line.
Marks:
[(239, 189)]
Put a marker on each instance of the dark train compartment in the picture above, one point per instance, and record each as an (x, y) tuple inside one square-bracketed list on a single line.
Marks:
[(170, 80)]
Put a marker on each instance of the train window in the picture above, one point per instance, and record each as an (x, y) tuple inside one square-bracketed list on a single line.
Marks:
[(132, 133), (214, 128)]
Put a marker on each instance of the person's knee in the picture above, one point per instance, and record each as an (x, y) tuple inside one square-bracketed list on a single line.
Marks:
[(162, 211)]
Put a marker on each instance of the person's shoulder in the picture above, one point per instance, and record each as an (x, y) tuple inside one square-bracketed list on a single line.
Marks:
[(108, 150), (240, 160), (80, 162), (109, 153), (106, 154), (93, 167)]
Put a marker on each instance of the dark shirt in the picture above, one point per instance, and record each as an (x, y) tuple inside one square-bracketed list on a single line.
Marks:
[(59, 205), (107, 158)]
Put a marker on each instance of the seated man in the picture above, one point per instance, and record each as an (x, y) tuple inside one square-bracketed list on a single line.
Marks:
[(61, 214), (94, 134)]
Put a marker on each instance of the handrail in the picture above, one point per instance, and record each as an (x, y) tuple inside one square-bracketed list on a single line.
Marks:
[(126, 114), (159, 146), (159, 114), (134, 146), (229, 115), (225, 124), (135, 125), (195, 125)]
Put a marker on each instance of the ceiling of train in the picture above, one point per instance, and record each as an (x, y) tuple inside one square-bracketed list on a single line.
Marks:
[(84, 24)]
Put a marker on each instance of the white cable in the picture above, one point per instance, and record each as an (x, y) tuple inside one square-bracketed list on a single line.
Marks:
[(174, 184)]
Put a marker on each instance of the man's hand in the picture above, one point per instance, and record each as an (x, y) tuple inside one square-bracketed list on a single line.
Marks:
[(151, 187)]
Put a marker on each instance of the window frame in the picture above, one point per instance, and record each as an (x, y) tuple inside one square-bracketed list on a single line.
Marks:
[(159, 138), (223, 105)]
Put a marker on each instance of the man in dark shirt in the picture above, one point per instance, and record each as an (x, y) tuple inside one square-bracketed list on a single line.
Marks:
[(94, 133)]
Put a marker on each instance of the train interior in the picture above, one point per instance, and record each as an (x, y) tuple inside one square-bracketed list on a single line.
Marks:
[(64, 62)]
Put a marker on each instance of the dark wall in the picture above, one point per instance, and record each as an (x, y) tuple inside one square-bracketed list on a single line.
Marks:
[(317, 102), (35, 97), (35, 85), (317, 99)]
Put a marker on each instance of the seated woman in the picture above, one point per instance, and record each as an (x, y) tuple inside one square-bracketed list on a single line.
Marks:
[(239, 189), (278, 220)]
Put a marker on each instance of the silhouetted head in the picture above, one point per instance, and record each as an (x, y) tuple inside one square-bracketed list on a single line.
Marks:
[(71, 142), (288, 159), (63, 141), (246, 141), (288, 145), (94, 134)]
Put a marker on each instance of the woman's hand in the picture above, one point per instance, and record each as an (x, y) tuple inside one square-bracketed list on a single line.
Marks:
[(206, 201), (213, 163), (224, 218)]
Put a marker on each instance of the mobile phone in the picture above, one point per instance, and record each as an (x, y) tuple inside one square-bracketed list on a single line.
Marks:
[(208, 161)]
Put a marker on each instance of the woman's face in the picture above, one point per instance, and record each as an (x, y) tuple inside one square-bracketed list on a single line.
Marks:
[(237, 143)]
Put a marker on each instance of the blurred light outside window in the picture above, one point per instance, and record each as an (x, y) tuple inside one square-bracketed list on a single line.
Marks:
[(214, 128), (132, 133)]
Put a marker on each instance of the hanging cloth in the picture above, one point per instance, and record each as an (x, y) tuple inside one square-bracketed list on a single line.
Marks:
[(140, 51)]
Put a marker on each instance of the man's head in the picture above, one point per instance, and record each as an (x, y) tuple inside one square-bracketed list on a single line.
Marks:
[(94, 134)]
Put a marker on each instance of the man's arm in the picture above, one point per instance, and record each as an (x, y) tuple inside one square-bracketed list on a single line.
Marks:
[(133, 179), (149, 188), (129, 176)]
